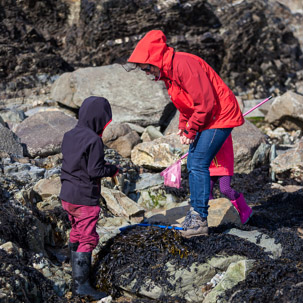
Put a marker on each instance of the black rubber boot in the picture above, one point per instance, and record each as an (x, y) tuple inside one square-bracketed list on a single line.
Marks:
[(71, 247), (81, 263)]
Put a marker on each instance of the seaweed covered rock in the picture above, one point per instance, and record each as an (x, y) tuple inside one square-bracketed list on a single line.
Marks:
[(154, 262), (158, 263)]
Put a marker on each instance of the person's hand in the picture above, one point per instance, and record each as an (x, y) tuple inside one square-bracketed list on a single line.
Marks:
[(185, 140), (180, 132)]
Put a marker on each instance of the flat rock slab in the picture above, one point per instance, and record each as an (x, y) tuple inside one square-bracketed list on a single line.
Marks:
[(259, 239)]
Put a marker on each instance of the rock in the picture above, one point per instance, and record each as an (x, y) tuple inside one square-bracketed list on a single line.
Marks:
[(251, 18), (114, 131), (147, 180), (43, 132), (144, 106), (290, 163), (124, 144), (151, 133), (172, 127), (260, 239), (49, 203), (287, 111), (246, 140), (220, 212), (12, 248), (235, 273), (120, 205), (40, 109), (48, 187), (159, 153), (12, 116), (24, 173), (258, 112), (189, 280), (9, 143)]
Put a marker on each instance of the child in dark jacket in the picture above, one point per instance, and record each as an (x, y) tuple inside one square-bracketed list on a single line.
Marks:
[(83, 166), (222, 169)]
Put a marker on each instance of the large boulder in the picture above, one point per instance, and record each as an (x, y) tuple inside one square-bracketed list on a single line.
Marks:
[(133, 96), (42, 133), (287, 111), (246, 140)]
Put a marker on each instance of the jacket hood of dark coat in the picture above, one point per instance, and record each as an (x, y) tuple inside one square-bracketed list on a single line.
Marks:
[(95, 113)]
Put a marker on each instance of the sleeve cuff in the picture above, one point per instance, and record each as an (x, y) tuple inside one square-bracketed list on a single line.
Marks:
[(190, 134)]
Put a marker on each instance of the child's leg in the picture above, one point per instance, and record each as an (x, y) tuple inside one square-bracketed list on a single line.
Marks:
[(86, 226), (226, 189), (213, 180), (72, 212), (84, 220)]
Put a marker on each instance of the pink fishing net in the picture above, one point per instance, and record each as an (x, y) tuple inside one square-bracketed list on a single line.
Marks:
[(172, 175)]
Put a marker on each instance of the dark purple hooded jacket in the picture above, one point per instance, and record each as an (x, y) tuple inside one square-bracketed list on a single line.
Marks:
[(83, 154)]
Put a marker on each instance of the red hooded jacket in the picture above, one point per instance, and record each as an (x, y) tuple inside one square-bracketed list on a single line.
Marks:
[(201, 96)]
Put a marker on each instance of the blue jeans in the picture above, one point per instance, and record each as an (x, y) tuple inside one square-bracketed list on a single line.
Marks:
[(201, 152)]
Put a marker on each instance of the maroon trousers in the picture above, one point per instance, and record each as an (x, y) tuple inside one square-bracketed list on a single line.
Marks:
[(84, 220)]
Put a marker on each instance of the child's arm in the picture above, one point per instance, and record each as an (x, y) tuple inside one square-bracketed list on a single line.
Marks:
[(96, 166)]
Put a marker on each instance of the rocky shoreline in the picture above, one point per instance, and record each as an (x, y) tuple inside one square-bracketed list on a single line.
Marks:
[(60, 52)]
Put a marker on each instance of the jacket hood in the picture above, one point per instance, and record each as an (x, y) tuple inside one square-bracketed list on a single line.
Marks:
[(95, 113), (152, 49)]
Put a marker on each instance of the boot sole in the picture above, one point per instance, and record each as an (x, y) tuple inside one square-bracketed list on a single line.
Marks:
[(192, 236)]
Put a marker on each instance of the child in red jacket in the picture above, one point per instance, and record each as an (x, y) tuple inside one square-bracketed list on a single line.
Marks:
[(222, 169)]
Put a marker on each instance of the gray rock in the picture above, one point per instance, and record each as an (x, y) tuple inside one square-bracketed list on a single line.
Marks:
[(259, 239), (235, 273), (160, 153), (289, 164), (135, 99), (287, 111), (122, 206), (43, 132), (147, 180), (24, 172), (48, 187), (152, 133), (246, 140), (189, 280), (13, 115), (124, 145), (9, 143)]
